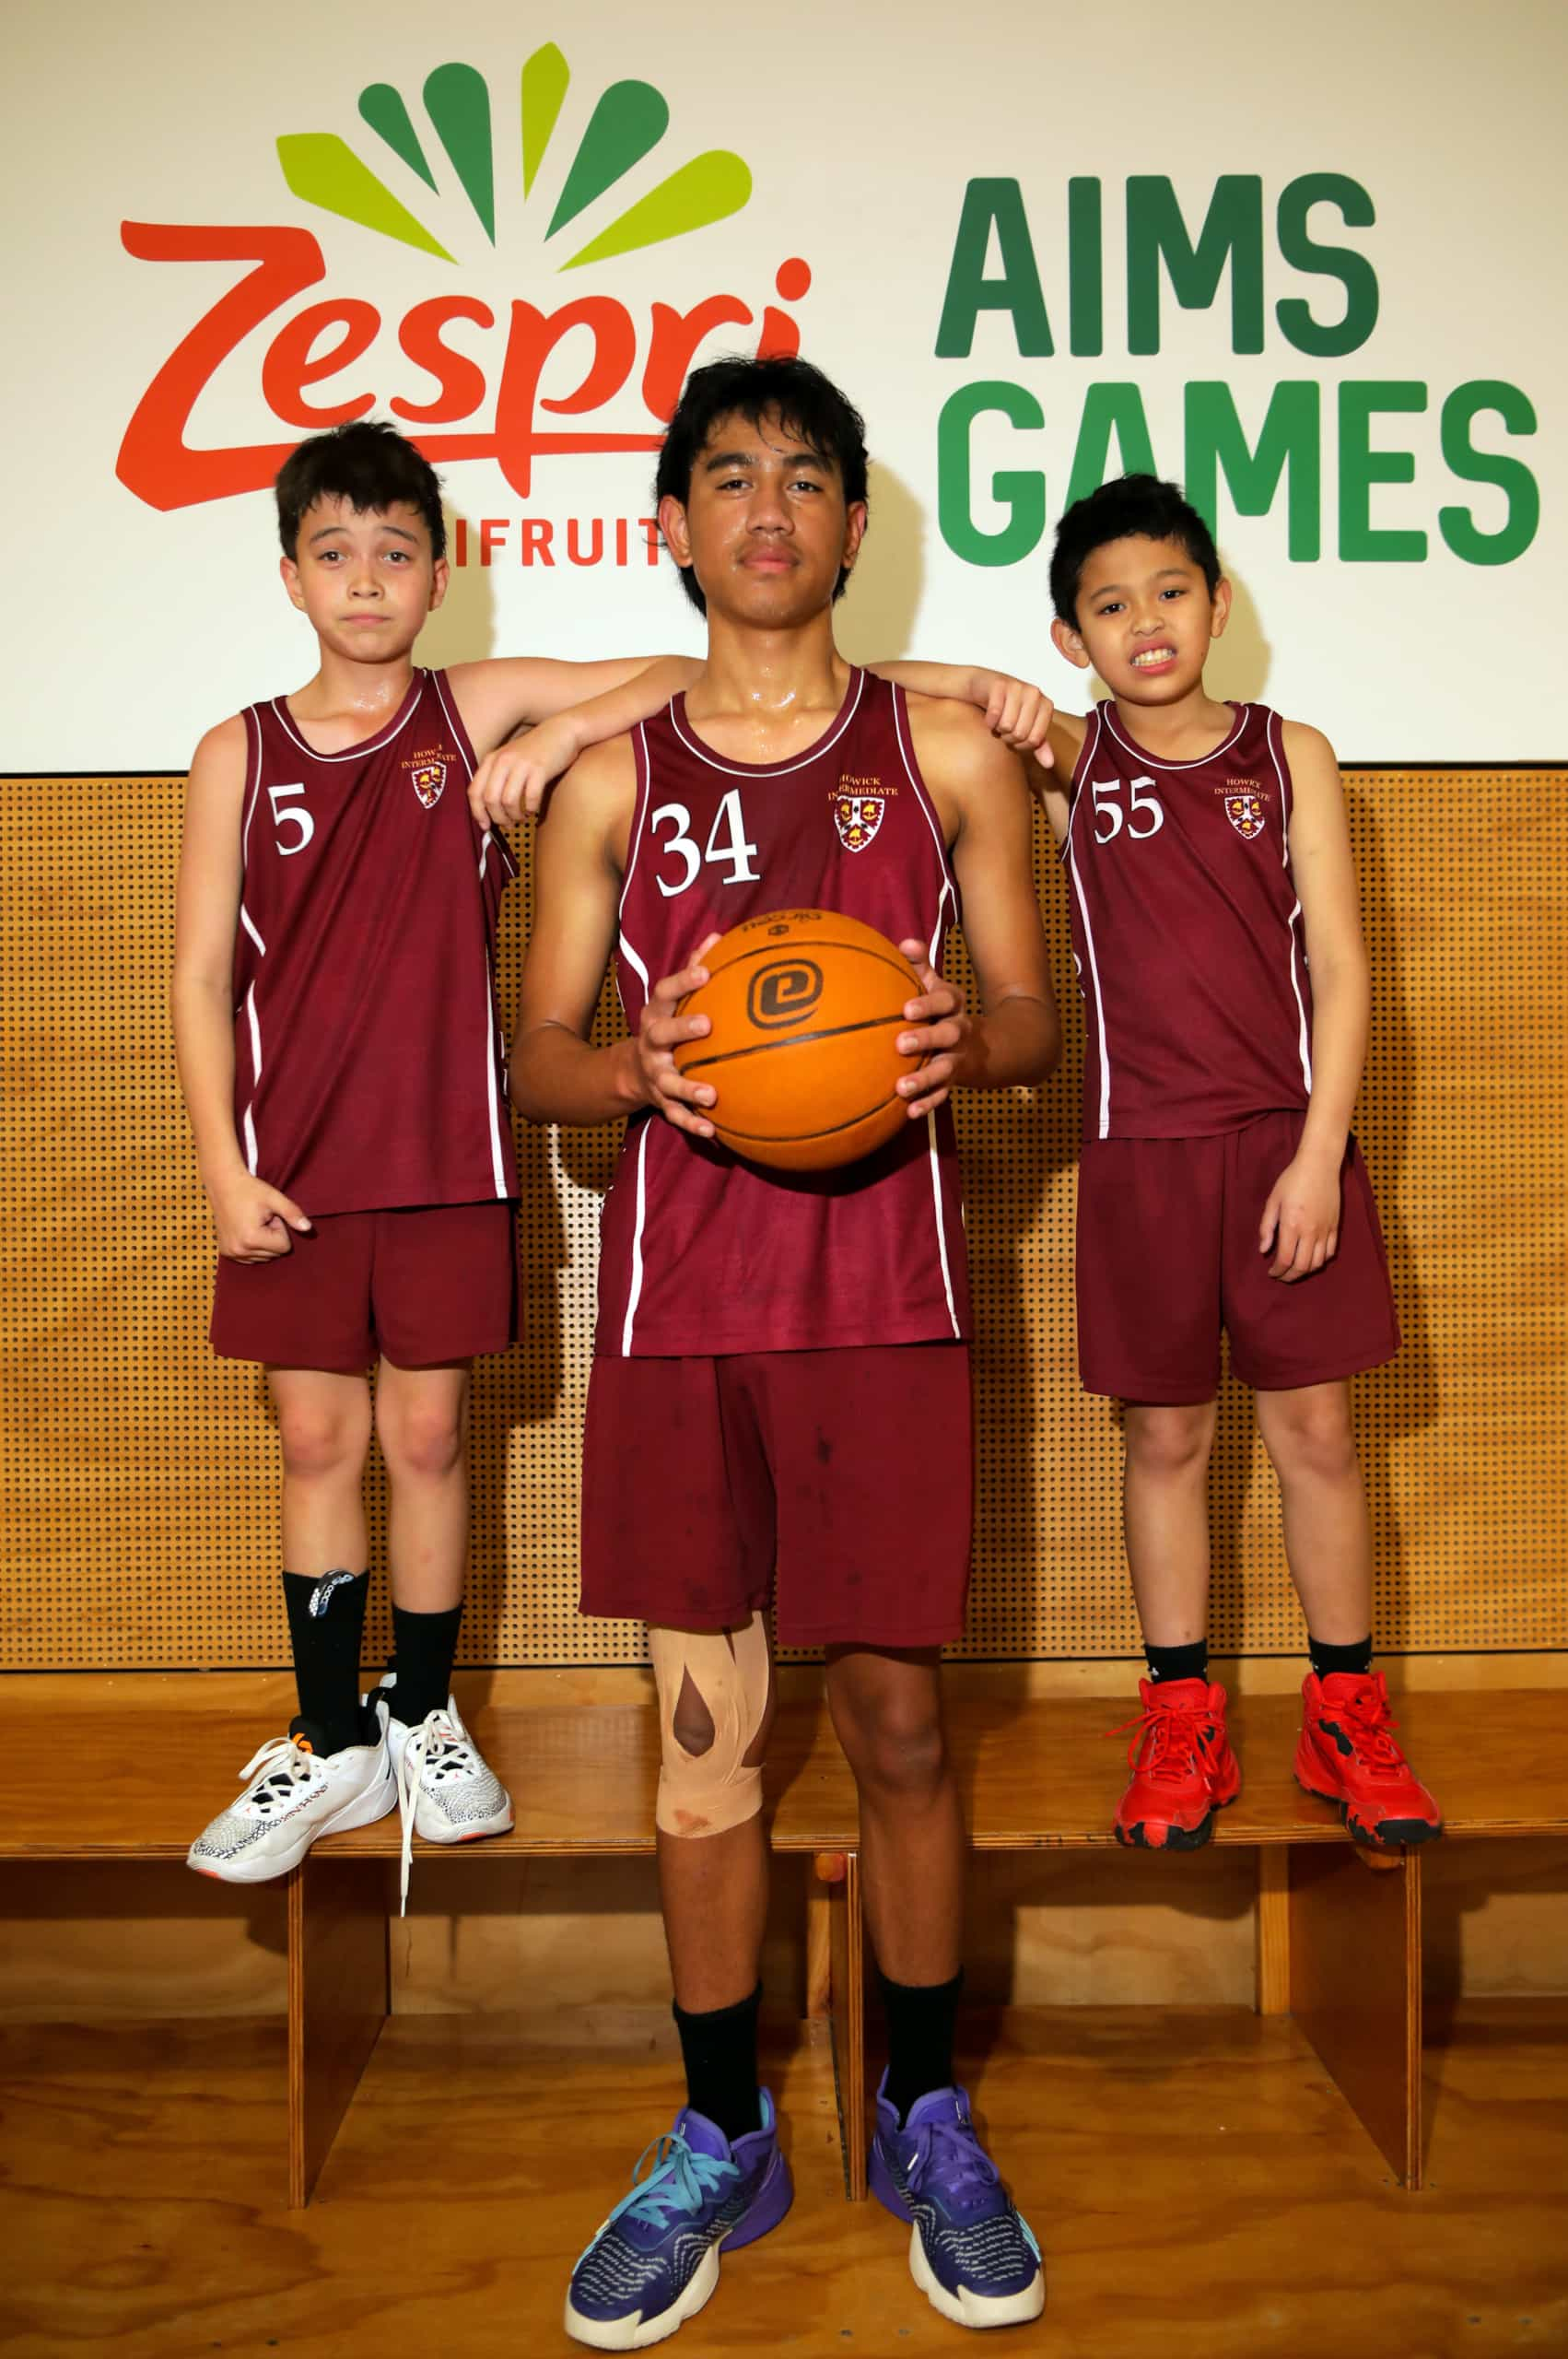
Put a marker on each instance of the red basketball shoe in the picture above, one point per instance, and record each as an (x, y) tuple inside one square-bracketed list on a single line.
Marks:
[(1346, 1756), (1183, 1768)]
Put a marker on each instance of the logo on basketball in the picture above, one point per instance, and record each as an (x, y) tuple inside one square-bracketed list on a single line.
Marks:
[(428, 783), (1245, 813), (857, 818), (783, 991)]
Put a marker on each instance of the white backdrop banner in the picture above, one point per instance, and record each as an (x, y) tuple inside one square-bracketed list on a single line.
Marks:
[(1307, 261)]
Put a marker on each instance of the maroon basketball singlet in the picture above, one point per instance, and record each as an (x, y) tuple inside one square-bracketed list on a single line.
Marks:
[(701, 1252), (1188, 933), (369, 1069)]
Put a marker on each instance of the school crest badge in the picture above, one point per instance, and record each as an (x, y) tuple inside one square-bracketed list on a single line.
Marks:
[(428, 783), (857, 818), (1245, 813)]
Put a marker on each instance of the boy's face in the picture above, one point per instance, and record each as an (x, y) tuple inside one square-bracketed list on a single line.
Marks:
[(1145, 620), (765, 525), (366, 578)]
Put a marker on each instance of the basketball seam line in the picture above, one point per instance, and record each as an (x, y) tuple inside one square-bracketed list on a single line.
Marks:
[(800, 1040), (804, 949), (797, 1138)]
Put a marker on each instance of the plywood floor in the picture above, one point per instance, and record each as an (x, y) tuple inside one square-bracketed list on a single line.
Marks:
[(1195, 2182)]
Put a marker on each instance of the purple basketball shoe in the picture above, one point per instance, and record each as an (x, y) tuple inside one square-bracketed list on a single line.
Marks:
[(655, 2261), (970, 2254)]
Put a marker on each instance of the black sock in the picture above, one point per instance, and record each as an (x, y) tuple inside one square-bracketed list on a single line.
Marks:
[(719, 2052), (423, 1648), (920, 2019), (1326, 1659), (327, 1621), (1178, 1662)]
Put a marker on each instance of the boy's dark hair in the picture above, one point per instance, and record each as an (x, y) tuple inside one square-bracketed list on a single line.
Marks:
[(804, 401), (368, 463), (1129, 506)]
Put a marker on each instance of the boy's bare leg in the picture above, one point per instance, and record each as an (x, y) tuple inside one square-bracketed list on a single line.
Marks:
[(422, 1426), (713, 1890), (1165, 1517), (324, 1428), (887, 1710), (1310, 1436)]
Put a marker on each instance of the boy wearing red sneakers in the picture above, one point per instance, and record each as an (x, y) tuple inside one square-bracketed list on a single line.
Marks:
[(1220, 1186)]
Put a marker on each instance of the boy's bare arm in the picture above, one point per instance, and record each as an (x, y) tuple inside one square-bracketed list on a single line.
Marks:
[(979, 787), (514, 778), (252, 1220), (555, 1075), (1300, 1221), (1016, 711)]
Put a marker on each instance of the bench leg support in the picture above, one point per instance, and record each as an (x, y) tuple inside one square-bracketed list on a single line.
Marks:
[(339, 1996), (1354, 1975), (847, 1986)]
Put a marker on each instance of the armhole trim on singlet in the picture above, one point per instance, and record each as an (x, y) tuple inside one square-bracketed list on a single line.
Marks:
[(1293, 924), (1080, 772), (252, 796), (949, 893), (1092, 726), (639, 814)]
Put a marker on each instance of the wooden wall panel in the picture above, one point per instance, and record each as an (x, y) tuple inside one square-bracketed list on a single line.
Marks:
[(139, 1474)]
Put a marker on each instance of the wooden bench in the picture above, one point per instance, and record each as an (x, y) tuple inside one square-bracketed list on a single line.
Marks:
[(1339, 1941)]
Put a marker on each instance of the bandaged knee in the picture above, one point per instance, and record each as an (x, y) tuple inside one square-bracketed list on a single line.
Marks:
[(728, 1671)]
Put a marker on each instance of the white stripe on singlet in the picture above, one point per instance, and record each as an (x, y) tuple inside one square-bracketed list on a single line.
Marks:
[(255, 1024), (634, 1292), (498, 1158), (948, 894), (1090, 749), (1304, 1035), (633, 960)]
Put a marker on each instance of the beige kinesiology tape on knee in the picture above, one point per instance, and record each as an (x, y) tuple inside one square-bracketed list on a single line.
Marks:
[(705, 1793)]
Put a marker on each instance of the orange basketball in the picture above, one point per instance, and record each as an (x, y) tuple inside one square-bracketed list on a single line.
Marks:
[(804, 1006)]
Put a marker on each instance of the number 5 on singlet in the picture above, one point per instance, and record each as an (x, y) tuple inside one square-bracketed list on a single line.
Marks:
[(734, 850), (281, 817)]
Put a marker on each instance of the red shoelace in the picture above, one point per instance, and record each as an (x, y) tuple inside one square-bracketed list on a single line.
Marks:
[(1368, 1721), (1173, 1733)]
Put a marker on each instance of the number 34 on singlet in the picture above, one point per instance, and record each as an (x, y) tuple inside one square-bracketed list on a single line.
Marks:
[(726, 845)]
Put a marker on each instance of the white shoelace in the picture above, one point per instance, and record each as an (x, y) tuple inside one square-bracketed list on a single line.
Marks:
[(286, 1765), (441, 1741)]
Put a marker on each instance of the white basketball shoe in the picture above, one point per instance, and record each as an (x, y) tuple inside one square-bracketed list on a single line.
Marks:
[(446, 1789), (295, 1794)]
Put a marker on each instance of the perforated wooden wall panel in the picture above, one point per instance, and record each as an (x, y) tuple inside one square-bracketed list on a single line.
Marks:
[(140, 1473)]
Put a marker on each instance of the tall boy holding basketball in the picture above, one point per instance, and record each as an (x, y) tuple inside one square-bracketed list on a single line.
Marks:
[(335, 1017), (1208, 860), (780, 1399)]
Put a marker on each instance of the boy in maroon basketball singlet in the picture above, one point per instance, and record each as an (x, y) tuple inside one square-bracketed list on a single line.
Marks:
[(335, 1025), (335, 1016), (779, 1403), (1208, 857)]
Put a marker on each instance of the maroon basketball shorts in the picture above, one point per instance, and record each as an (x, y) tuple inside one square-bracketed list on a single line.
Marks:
[(418, 1287), (840, 1483), (1167, 1255)]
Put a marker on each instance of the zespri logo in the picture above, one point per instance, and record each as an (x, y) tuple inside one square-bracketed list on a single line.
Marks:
[(470, 379)]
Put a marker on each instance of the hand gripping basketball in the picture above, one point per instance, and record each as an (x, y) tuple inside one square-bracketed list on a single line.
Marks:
[(939, 1027), (661, 1031)]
